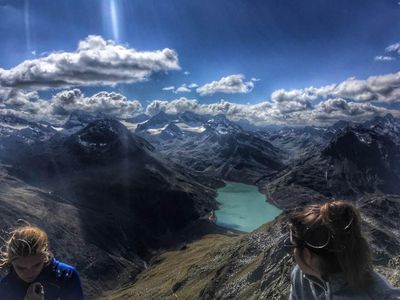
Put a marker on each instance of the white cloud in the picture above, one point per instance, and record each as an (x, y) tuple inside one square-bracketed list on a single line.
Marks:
[(23, 103), (384, 58), (352, 99), (393, 48), (379, 89), (16, 97), (172, 107), (95, 62), (230, 85), (324, 113), (186, 73), (168, 88), (109, 103), (339, 109), (63, 103), (182, 89)]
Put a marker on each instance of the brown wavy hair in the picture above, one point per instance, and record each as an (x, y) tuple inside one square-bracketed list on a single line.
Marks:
[(22, 242), (346, 250)]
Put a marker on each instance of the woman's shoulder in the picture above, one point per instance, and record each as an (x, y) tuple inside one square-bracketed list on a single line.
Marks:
[(60, 271), (63, 267)]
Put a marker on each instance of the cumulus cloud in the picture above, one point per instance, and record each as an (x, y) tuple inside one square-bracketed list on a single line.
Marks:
[(352, 99), (23, 103), (338, 109), (293, 100), (17, 98), (193, 85), (95, 62), (63, 103), (109, 103), (324, 113), (230, 85), (377, 89), (172, 107), (257, 113)]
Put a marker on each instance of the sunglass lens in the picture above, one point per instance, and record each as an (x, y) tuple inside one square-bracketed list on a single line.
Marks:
[(317, 237)]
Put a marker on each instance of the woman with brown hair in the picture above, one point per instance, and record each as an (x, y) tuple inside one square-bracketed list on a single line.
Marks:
[(332, 255), (33, 272)]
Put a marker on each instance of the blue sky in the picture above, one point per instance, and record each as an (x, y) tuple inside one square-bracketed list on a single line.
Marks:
[(280, 44)]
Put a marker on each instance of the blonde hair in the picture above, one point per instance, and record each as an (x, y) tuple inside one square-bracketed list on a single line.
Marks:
[(22, 242)]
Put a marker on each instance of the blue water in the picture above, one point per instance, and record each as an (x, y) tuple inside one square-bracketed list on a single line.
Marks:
[(243, 207)]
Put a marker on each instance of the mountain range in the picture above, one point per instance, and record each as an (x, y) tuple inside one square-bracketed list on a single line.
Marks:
[(118, 193)]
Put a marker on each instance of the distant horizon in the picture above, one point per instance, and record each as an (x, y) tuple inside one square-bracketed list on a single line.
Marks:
[(283, 63)]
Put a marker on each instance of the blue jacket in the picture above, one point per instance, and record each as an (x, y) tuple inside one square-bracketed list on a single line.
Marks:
[(60, 282), (304, 287)]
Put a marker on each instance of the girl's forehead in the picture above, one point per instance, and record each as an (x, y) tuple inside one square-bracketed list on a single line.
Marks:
[(28, 261)]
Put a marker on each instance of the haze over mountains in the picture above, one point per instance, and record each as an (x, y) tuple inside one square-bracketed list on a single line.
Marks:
[(118, 190)]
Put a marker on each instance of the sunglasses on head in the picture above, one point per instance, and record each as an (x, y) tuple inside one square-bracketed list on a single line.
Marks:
[(314, 236)]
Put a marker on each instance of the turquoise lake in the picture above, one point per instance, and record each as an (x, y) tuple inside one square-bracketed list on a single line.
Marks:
[(243, 207)]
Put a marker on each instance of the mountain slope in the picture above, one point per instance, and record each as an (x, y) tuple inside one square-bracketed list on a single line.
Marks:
[(212, 145), (124, 198), (255, 265), (358, 160), (100, 269)]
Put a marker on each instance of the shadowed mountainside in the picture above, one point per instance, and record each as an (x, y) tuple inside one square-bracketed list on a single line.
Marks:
[(358, 160), (124, 198)]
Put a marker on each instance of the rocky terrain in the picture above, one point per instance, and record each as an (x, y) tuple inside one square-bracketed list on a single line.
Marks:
[(115, 196), (213, 145), (255, 265), (100, 268), (121, 197), (363, 167), (358, 159)]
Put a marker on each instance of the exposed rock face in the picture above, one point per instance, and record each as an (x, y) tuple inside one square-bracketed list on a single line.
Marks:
[(212, 145), (298, 142), (357, 160)]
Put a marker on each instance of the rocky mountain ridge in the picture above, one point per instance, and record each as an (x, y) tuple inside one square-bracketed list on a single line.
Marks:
[(128, 196), (124, 197)]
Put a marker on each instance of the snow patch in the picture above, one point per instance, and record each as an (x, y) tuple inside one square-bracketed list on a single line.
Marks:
[(156, 131), (16, 127), (186, 127), (130, 126)]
